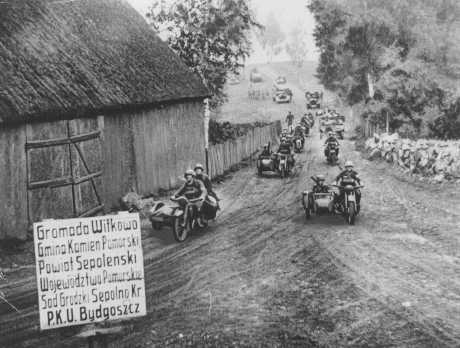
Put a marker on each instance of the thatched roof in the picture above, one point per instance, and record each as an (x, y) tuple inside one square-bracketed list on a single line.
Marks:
[(69, 58)]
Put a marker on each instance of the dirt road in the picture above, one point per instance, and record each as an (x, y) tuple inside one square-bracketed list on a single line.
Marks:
[(262, 276)]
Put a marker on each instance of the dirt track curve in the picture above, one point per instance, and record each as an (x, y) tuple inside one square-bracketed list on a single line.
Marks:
[(262, 275)]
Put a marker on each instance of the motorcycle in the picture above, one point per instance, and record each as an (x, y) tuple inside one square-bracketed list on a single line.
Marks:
[(182, 215), (317, 203), (332, 153), (323, 202), (265, 163), (298, 144), (348, 207), (283, 165), (306, 128)]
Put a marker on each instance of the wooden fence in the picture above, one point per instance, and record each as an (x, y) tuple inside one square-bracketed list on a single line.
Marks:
[(223, 156)]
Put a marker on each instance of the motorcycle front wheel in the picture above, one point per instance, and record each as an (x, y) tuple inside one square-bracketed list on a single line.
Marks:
[(351, 213), (180, 231)]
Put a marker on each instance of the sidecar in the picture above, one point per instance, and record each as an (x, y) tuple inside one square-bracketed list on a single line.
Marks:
[(317, 203), (265, 164), (163, 214)]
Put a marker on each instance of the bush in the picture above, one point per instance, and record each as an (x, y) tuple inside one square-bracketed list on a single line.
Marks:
[(220, 132), (447, 126)]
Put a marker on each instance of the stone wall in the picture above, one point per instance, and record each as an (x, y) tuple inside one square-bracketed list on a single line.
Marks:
[(434, 159)]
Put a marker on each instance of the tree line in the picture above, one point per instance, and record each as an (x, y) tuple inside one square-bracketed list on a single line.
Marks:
[(395, 60)]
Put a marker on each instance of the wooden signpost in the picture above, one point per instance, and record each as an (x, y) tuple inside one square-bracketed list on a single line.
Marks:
[(89, 270)]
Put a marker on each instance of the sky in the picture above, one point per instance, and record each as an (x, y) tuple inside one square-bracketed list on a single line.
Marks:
[(289, 13)]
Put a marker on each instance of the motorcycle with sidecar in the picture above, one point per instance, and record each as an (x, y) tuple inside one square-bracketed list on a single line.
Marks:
[(182, 215), (322, 203)]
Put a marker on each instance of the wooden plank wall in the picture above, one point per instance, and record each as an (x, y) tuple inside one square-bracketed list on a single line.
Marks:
[(167, 142), (223, 156), (13, 179), (119, 166), (149, 150)]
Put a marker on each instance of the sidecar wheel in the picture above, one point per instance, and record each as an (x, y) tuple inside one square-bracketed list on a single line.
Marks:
[(179, 231)]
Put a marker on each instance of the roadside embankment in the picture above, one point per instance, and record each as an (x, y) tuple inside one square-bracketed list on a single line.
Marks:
[(435, 159)]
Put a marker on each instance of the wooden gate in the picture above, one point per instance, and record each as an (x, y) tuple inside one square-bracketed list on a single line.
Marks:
[(64, 168)]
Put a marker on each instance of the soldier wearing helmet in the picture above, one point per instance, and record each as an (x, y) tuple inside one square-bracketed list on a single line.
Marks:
[(331, 140), (192, 188), (290, 119), (320, 187), (349, 172), (204, 178), (266, 151)]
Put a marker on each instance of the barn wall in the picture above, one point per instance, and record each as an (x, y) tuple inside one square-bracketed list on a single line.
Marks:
[(149, 150), (140, 152), (13, 179), (119, 166)]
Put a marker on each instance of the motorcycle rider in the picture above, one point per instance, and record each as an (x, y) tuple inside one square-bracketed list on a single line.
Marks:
[(311, 119), (204, 178), (349, 173), (304, 121), (266, 151), (193, 189), (331, 140), (299, 133), (285, 149), (319, 186)]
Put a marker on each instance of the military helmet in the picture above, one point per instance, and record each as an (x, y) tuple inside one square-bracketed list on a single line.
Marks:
[(348, 164), (189, 172), (320, 177), (199, 166)]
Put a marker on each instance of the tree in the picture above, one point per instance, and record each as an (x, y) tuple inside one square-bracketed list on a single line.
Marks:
[(271, 36), (399, 54), (297, 45), (211, 37)]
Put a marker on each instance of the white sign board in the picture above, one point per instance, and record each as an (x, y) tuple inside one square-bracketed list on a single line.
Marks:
[(89, 270)]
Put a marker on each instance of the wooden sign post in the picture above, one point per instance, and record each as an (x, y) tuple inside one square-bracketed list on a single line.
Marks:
[(89, 270)]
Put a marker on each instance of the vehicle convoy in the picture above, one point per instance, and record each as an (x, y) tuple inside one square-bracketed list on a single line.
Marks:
[(329, 201)]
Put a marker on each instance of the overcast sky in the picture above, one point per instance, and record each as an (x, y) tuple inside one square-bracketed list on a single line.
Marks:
[(289, 13)]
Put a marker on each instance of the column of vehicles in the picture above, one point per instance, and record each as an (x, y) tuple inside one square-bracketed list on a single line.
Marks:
[(343, 197), (340, 198), (292, 140), (331, 121), (195, 203)]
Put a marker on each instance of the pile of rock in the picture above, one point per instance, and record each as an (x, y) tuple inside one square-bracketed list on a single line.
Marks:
[(438, 160)]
